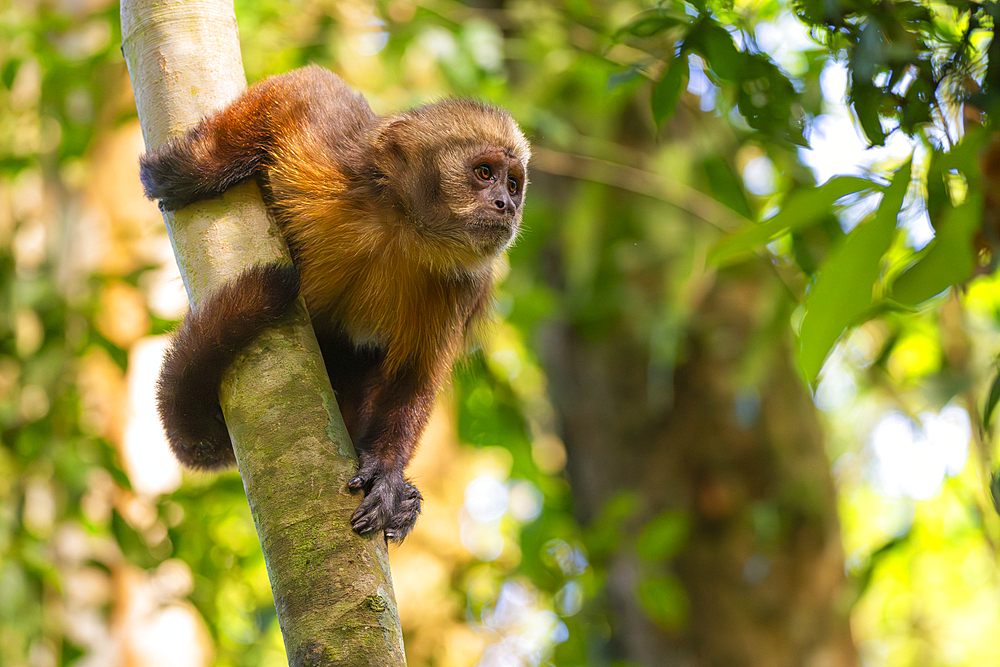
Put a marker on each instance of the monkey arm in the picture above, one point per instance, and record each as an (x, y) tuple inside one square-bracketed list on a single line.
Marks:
[(211, 157), (392, 418), (236, 143)]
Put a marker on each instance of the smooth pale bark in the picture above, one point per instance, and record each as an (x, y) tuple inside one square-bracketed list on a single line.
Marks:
[(332, 589)]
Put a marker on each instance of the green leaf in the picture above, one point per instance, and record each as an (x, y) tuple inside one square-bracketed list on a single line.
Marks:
[(668, 90), (605, 533), (650, 23), (869, 56), (716, 46), (843, 292), (937, 199), (964, 157), (865, 100), (130, 542), (995, 490), (766, 99), (623, 77), (991, 401), (950, 259), (725, 186), (800, 209), (663, 537)]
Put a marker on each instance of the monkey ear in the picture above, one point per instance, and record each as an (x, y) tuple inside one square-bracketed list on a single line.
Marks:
[(396, 141)]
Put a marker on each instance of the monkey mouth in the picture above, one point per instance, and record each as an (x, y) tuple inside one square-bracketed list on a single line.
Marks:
[(491, 226), (492, 236), (492, 231), (497, 224)]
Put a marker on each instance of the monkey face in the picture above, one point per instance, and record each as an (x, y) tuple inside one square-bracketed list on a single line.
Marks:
[(459, 170), (492, 197), (482, 191)]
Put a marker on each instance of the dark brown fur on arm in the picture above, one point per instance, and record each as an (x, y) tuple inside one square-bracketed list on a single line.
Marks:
[(395, 224), (391, 420), (237, 143)]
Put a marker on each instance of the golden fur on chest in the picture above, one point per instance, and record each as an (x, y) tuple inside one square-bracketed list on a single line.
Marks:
[(373, 278), (372, 273)]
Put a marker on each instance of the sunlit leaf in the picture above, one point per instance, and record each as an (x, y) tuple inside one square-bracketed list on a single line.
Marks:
[(864, 575), (950, 259), (843, 290), (800, 209), (995, 490), (991, 401)]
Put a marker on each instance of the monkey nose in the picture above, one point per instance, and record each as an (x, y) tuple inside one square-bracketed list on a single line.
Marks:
[(504, 204)]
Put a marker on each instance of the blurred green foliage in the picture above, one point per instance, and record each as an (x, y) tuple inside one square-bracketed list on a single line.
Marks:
[(911, 68), (646, 97), (926, 70)]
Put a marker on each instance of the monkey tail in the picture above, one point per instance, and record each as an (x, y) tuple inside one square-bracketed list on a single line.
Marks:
[(208, 340)]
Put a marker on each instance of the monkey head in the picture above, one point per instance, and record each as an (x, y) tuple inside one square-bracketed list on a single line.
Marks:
[(461, 174)]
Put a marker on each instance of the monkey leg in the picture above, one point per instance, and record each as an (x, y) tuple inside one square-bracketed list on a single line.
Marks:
[(203, 347)]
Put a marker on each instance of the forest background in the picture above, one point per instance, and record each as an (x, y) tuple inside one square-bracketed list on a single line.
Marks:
[(731, 413)]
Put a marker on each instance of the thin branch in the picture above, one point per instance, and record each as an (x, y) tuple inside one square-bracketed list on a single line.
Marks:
[(639, 181)]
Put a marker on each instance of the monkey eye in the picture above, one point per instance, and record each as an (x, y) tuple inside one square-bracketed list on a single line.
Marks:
[(512, 185), (484, 172)]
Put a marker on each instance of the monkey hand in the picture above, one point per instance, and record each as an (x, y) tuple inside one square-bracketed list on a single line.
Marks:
[(391, 503)]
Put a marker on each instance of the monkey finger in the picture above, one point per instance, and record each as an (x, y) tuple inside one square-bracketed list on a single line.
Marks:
[(368, 472), (366, 519), (392, 505), (402, 520), (361, 482), (373, 511)]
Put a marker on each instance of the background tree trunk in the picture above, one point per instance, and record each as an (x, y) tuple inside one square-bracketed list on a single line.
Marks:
[(762, 565), (332, 589)]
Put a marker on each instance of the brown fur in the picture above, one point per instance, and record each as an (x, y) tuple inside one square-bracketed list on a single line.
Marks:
[(395, 231)]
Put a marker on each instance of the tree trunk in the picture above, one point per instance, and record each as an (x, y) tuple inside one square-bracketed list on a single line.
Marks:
[(332, 589), (742, 460)]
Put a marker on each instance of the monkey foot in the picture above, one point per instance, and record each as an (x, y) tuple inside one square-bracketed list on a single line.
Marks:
[(391, 503)]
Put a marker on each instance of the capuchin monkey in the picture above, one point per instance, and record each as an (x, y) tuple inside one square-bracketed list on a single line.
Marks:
[(396, 225)]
